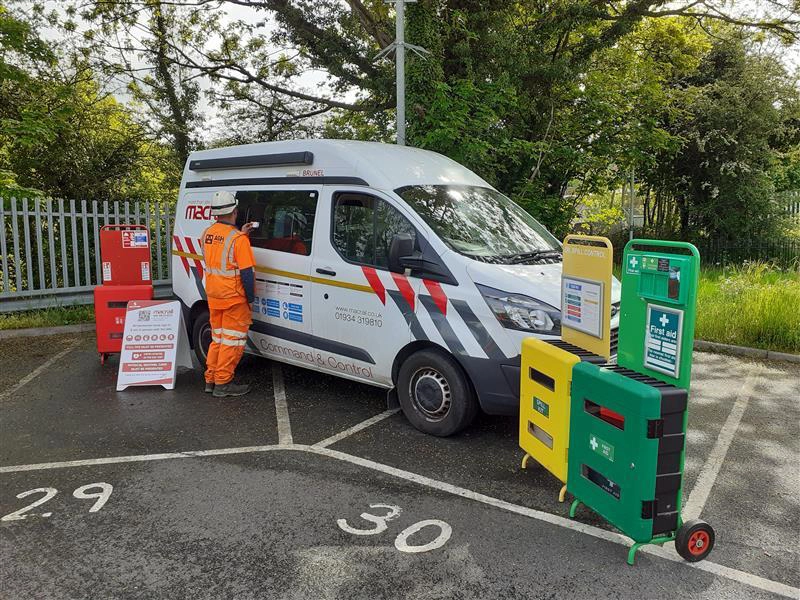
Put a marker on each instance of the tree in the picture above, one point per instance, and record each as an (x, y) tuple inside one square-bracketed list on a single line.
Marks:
[(739, 112), (137, 43), (61, 134)]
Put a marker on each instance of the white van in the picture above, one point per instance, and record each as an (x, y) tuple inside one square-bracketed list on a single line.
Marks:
[(383, 264)]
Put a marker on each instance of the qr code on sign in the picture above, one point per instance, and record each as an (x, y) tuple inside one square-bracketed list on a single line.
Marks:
[(144, 315)]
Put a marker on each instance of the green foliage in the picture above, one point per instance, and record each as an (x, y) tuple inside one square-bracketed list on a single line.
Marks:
[(765, 299), (62, 135), (47, 317), (735, 118), (464, 121)]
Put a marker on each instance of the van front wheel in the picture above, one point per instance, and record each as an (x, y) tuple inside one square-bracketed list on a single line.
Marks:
[(201, 336), (434, 393)]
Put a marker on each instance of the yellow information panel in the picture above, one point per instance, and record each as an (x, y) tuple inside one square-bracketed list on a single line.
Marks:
[(586, 293), (546, 377)]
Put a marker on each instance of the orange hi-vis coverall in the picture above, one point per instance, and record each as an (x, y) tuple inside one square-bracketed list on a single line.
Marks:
[(226, 252)]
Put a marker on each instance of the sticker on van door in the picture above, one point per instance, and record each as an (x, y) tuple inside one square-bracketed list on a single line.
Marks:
[(281, 302)]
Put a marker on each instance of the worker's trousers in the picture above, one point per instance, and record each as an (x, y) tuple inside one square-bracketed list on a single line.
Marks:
[(228, 338)]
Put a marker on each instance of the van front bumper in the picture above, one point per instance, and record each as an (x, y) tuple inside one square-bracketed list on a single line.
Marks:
[(496, 383)]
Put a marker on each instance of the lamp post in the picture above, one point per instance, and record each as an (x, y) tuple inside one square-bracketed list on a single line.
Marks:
[(399, 46)]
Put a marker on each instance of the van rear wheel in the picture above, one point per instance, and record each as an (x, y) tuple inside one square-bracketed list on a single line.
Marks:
[(201, 336), (435, 394)]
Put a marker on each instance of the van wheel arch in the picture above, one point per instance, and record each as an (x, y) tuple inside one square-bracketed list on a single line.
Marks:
[(470, 395), (418, 345)]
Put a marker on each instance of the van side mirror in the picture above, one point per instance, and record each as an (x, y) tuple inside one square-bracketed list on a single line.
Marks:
[(402, 246)]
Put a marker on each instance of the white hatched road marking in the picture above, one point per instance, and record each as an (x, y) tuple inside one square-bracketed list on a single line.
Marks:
[(356, 428), (38, 370), (281, 409), (708, 474)]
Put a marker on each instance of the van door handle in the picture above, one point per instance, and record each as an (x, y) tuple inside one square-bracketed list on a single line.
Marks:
[(326, 272)]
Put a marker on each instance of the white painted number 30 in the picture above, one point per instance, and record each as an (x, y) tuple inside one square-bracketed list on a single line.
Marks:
[(378, 521), (401, 541)]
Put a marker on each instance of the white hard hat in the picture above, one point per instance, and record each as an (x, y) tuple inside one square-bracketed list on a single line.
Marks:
[(223, 203)]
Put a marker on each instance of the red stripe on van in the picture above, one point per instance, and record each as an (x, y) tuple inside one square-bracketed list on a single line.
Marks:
[(405, 289), (438, 295), (375, 283), (180, 249), (197, 263)]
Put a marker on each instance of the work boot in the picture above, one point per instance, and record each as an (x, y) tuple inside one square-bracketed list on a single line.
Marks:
[(230, 389), (209, 387)]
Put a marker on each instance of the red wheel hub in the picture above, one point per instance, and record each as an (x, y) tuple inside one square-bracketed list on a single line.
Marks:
[(698, 542)]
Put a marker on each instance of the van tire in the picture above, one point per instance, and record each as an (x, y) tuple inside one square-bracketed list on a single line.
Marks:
[(435, 393), (201, 336)]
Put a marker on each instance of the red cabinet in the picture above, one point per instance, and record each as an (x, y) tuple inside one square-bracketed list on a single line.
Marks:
[(110, 304), (125, 252), (125, 257)]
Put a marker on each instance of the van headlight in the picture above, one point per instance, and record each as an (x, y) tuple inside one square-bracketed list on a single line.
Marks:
[(523, 313)]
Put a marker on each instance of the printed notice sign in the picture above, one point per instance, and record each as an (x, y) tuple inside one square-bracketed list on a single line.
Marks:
[(582, 305), (134, 239), (154, 344), (662, 340)]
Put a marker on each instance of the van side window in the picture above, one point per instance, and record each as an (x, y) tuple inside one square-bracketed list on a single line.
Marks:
[(286, 219), (363, 228)]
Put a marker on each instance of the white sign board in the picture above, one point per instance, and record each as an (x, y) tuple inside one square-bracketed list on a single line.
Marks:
[(582, 305), (154, 344)]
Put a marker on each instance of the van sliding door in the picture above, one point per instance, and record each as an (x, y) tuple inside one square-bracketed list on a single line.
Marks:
[(282, 246)]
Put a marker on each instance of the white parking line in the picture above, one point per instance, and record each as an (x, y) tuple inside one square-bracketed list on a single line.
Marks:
[(281, 409), (38, 370), (113, 460), (356, 428), (708, 474), (716, 569)]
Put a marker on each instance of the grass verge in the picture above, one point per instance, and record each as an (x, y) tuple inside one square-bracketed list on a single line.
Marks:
[(47, 317), (754, 305)]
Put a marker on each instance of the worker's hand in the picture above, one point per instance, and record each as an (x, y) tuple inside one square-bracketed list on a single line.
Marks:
[(247, 228)]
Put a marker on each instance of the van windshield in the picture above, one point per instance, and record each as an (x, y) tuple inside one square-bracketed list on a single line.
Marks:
[(481, 223)]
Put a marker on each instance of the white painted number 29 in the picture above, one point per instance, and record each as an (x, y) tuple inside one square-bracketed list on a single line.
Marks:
[(401, 541), (82, 493)]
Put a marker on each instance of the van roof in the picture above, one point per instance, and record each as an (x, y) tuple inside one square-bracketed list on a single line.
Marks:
[(381, 166)]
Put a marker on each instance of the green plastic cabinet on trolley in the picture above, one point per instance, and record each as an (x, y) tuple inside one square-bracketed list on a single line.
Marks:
[(628, 469), (657, 311)]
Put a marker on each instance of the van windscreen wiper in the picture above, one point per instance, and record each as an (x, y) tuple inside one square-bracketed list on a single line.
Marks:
[(524, 257)]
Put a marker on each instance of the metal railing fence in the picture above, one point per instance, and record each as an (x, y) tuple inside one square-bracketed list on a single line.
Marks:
[(791, 201), (50, 249)]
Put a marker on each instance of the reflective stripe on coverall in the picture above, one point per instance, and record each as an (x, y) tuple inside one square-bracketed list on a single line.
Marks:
[(225, 252)]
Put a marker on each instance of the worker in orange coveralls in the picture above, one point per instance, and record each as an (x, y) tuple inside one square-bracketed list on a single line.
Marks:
[(230, 287)]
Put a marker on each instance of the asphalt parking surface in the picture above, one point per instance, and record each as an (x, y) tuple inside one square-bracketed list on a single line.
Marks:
[(243, 498)]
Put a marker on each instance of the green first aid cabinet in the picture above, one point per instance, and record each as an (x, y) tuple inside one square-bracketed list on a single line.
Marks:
[(629, 469), (657, 312)]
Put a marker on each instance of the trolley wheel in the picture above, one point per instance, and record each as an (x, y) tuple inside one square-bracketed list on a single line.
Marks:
[(695, 540), (102, 358)]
